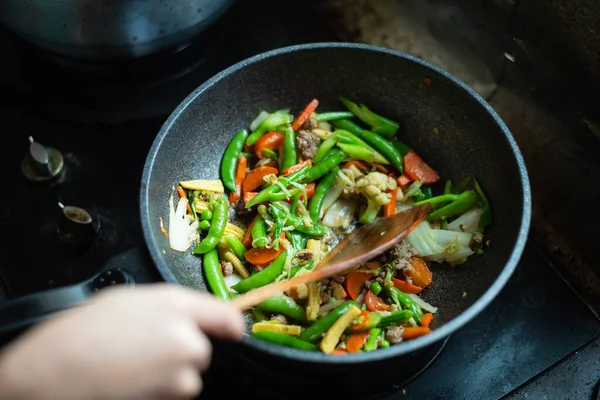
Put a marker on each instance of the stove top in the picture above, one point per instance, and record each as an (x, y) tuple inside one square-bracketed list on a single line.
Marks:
[(102, 126)]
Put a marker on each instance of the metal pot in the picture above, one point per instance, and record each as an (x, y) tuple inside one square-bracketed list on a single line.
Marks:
[(102, 30)]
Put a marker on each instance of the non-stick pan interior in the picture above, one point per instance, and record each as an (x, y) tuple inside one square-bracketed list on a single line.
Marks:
[(442, 120)]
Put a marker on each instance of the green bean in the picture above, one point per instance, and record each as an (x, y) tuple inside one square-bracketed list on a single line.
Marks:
[(283, 305), (381, 125), (204, 225), (230, 159), (259, 316), (270, 154), (332, 115), (206, 215), (316, 202), (259, 232), (277, 233), (371, 344), (486, 215), (285, 340), (402, 148), (395, 318), (294, 204), (448, 187), (264, 277), (314, 332), (297, 268), (333, 158), (217, 226), (214, 276), (459, 203), (403, 300), (297, 222), (270, 123), (236, 245), (384, 344), (374, 320), (361, 153), (325, 147), (375, 288), (290, 156), (298, 239), (274, 191)]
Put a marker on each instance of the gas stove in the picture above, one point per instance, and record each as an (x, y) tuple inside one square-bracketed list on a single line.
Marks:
[(97, 123)]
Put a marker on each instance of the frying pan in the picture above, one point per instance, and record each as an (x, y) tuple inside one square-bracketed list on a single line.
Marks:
[(444, 120)]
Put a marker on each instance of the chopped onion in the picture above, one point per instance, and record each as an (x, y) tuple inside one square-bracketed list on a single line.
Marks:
[(325, 308), (183, 228), (468, 222), (340, 214), (335, 191), (260, 118), (423, 304), (232, 280)]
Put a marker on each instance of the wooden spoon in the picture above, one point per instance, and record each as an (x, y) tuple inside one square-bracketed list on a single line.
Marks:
[(358, 247)]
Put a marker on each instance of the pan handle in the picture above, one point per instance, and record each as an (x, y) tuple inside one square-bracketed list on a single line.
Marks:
[(21, 313)]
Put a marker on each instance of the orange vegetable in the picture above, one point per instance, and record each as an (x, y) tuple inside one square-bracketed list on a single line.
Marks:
[(270, 140), (373, 265), (403, 180), (355, 283), (305, 114), (380, 168), (339, 352), (374, 303), (240, 175), (419, 274), (249, 195), (417, 169), (406, 287), (356, 341), (310, 190), (365, 318), (263, 255), (390, 208), (414, 332), (181, 196), (426, 320), (247, 239), (358, 164), (297, 167), (255, 178)]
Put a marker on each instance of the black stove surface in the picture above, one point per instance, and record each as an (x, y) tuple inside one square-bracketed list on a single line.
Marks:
[(104, 123)]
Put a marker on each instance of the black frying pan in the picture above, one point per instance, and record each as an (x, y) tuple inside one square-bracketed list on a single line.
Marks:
[(472, 139)]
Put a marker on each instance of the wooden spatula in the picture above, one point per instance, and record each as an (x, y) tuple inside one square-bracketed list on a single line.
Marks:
[(358, 247)]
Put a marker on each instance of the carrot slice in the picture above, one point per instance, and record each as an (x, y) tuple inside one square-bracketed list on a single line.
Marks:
[(310, 190), (305, 114), (403, 180), (417, 169), (371, 265), (297, 167), (247, 239), (374, 303), (356, 341), (414, 332), (255, 178), (365, 318), (249, 195), (355, 283), (181, 196), (380, 168), (262, 255), (390, 208), (358, 164), (426, 320), (419, 273), (339, 352), (406, 287), (270, 140), (240, 175)]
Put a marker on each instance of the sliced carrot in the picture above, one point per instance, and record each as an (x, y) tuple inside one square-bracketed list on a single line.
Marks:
[(310, 190), (374, 303), (297, 167), (355, 283), (419, 273), (338, 352), (356, 341), (403, 180), (364, 317), (371, 265), (380, 168), (248, 149), (270, 140), (255, 178), (305, 114), (240, 175), (262, 255), (426, 320), (390, 208), (249, 195), (181, 196), (406, 287), (358, 164), (414, 332), (417, 169), (247, 239)]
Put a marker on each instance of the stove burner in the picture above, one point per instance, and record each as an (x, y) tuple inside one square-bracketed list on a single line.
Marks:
[(42, 163), (76, 225)]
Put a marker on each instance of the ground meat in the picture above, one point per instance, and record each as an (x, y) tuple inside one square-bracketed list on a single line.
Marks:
[(324, 297), (401, 255), (338, 278), (305, 254), (279, 318), (325, 281), (307, 144), (394, 334), (227, 268), (368, 284), (310, 124)]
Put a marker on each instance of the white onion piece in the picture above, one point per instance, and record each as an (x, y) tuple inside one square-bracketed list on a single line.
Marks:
[(468, 222), (325, 308), (260, 118), (232, 280), (183, 228), (423, 304), (332, 195), (340, 214)]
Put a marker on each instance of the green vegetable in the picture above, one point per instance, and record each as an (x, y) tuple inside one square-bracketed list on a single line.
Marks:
[(270, 123), (458, 203), (285, 340), (204, 225), (374, 320), (333, 115), (206, 215), (325, 147), (273, 192), (297, 268), (270, 154), (217, 226), (283, 305), (259, 232), (384, 344), (424, 193), (331, 160), (290, 155), (403, 300), (259, 316), (230, 159), (401, 147), (448, 187), (314, 332), (362, 150), (486, 216), (462, 185), (375, 288), (262, 278), (380, 144), (277, 233), (316, 202), (214, 276), (279, 211), (384, 126), (236, 245), (371, 343), (294, 204), (298, 239), (396, 318)]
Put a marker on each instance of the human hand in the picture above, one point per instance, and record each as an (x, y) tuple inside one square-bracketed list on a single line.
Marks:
[(126, 343)]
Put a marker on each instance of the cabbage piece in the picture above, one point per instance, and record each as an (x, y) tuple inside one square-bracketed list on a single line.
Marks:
[(257, 121), (183, 228), (340, 214), (334, 192), (468, 222), (440, 245)]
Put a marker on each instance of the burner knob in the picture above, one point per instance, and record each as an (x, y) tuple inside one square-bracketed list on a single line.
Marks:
[(112, 277), (42, 163), (76, 225)]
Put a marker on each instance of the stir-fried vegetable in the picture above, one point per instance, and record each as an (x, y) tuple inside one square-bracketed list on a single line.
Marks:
[(291, 185)]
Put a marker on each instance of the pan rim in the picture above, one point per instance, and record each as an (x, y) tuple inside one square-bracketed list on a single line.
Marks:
[(407, 347)]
